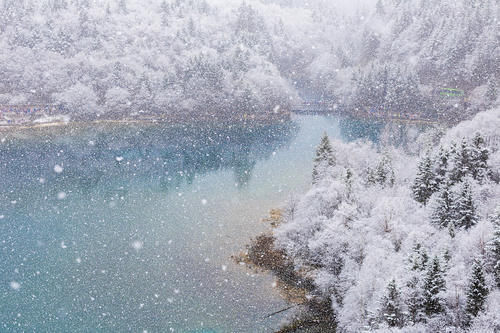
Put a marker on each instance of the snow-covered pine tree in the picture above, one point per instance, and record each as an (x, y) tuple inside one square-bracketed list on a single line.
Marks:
[(451, 229), (492, 90), (391, 311), (413, 294), (441, 166), (493, 248), (385, 171), (479, 158), (414, 299), (434, 284), (419, 258), (465, 207), (425, 183), (477, 291), (324, 160), (447, 258), (443, 213), (452, 157), (392, 177), (383, 174), (461, 162), (348, 183), (371, 177)]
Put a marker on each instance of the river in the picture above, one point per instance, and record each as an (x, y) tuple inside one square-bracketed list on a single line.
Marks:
[(110, 228)]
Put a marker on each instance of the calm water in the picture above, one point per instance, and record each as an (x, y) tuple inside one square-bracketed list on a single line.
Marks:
[(131, 228)]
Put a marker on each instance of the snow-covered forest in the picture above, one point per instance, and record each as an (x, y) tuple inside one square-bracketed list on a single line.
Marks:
[(396, 241), (178, 57), (127, 218)]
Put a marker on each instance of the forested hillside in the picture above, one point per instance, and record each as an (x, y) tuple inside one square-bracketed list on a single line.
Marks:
[(120, 57), (394, 58), (391, 241), (179, 57)]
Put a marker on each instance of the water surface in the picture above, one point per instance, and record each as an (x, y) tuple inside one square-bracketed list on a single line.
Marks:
[(131, 227)]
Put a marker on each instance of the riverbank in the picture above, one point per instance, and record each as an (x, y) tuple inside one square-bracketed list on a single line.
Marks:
[(314, 313), (259, 119)]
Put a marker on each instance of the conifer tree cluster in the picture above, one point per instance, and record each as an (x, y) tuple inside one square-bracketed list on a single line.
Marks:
[(383, 89), (383, 266), (455, 210), (422, 298), (383, 174), (446, 171), (451, 166)]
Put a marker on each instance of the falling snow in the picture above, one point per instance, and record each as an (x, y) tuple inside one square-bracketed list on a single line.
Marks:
[(144, 144), (15, 285)]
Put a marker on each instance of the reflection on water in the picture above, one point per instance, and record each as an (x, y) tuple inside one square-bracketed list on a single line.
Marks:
[(131, 228), (395, 133), (164, 156)]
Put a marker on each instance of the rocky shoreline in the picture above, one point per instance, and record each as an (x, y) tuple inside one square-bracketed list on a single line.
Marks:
[(314, 312)]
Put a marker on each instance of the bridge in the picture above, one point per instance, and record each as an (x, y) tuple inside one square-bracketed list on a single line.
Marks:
[(315, 107)]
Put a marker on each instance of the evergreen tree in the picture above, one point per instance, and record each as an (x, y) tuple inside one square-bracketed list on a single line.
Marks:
[(383, 174), (479, 158), (447, 258), (493, 248), (371, 177), (461, 162), (443, 213), (414, 300), (392, 177), (451, 229), (419, 258), (348, 183), (382, 171), (425, 184), (492, 91), (477, 291), (465, 208), (324, 159), (391, 311), (434, 284), (441, 167)]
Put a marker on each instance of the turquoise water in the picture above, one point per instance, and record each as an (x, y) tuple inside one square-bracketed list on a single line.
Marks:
[(131, 228)]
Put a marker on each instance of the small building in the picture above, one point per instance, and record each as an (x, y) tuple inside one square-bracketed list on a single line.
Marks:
[(25, 113)]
